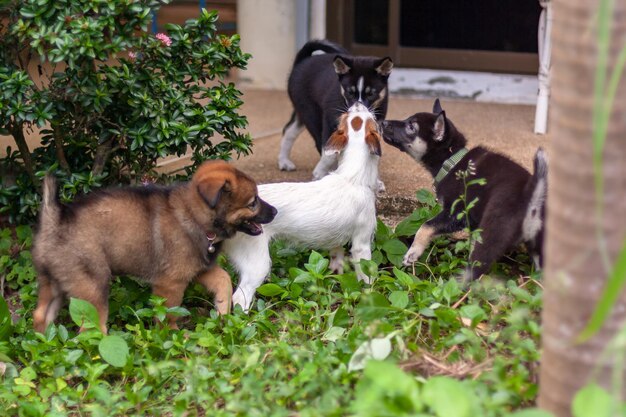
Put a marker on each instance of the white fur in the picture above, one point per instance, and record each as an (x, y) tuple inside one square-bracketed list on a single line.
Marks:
[(359, 86), (417, 149), (322, 214), (532, 221), (327, 163)]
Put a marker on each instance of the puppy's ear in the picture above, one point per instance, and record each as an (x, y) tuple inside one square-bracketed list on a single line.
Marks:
[(384, 66), (437, 107), (342, 65), (212, 190), (337, 142), (372, 138), (439, 128)]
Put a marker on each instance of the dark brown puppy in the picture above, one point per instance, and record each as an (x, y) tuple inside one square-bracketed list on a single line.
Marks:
[(166, 236), (509, 208)]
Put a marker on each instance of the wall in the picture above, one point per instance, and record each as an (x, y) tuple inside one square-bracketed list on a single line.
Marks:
[(267, 29)]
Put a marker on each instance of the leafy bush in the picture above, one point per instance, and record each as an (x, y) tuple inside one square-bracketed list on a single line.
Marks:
[(109, 98), (16, 268)]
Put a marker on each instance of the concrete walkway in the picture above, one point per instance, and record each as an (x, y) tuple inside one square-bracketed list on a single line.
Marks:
[(503, 127)]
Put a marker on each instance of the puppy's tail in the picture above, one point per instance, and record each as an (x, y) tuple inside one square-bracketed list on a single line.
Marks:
[(318, 45), (50, 207), (537, 187), (535, 192), (541, 165)]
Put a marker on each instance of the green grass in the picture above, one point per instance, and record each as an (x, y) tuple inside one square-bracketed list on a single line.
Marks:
[(314, 344)]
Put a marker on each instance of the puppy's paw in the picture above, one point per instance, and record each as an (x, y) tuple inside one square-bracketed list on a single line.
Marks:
[(464, 279), (381, 189), (318, 174), (412, 255), (336, 266), (240, 299), (363, 277), (286, 165)]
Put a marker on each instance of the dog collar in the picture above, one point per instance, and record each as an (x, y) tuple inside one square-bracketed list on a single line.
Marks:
[(211, 237), (449, 164)]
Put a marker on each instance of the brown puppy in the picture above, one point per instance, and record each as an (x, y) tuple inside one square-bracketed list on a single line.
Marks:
[(166, 236)]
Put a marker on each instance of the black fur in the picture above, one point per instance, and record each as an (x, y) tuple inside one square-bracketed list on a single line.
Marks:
[(509, 203), (315, 87)]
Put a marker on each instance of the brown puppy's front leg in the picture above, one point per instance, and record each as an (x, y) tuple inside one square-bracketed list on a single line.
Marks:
[(173, 291), (218, 282)]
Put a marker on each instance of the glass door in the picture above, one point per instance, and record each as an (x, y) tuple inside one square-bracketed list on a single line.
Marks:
[(478, 35)]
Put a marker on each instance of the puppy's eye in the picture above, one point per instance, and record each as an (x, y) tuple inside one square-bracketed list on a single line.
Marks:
[(411, 128), (254, 203)]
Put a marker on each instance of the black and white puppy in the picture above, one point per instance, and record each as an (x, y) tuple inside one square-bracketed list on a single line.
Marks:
[(511, 205), (322, 87)]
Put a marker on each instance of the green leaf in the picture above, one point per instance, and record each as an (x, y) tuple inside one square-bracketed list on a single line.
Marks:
[(448, 397), (373, 306), (531, 412), (385, 390), (72, 356), (612, 291), (395, 251), (425, 196), (404, 278), (382, 231), (593, 401), (334, 333), (114, 350), (399, 299), (409, 226), (317, 264), (270, 290), (84, 314), (474, 313), (394, 247), (377, 349), (6, 325)]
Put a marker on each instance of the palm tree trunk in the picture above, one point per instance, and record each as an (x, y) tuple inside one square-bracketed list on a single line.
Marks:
[(576, 268)]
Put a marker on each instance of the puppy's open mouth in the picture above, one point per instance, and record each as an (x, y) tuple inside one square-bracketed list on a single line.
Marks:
[(251, 228)]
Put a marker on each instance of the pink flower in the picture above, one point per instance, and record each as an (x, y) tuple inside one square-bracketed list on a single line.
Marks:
[(146, 180), (132, 56), (165, 40)]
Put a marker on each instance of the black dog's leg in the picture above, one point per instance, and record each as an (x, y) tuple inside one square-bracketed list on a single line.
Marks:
[(442, 223), (291, 131), (497, 237)]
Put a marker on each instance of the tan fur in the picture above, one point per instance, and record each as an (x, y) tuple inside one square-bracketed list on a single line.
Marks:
[(356, 123), (372, 138), (155, 235), (339, 139), (421, 241)]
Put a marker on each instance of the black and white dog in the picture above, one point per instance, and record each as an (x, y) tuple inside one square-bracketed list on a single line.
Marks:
[(322, 87), (511, 205)]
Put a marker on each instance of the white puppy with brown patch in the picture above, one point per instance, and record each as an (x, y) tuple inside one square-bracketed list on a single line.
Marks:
[(322, 214)]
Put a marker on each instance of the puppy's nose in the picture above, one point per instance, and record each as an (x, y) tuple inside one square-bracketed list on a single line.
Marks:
[(384, 124)]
